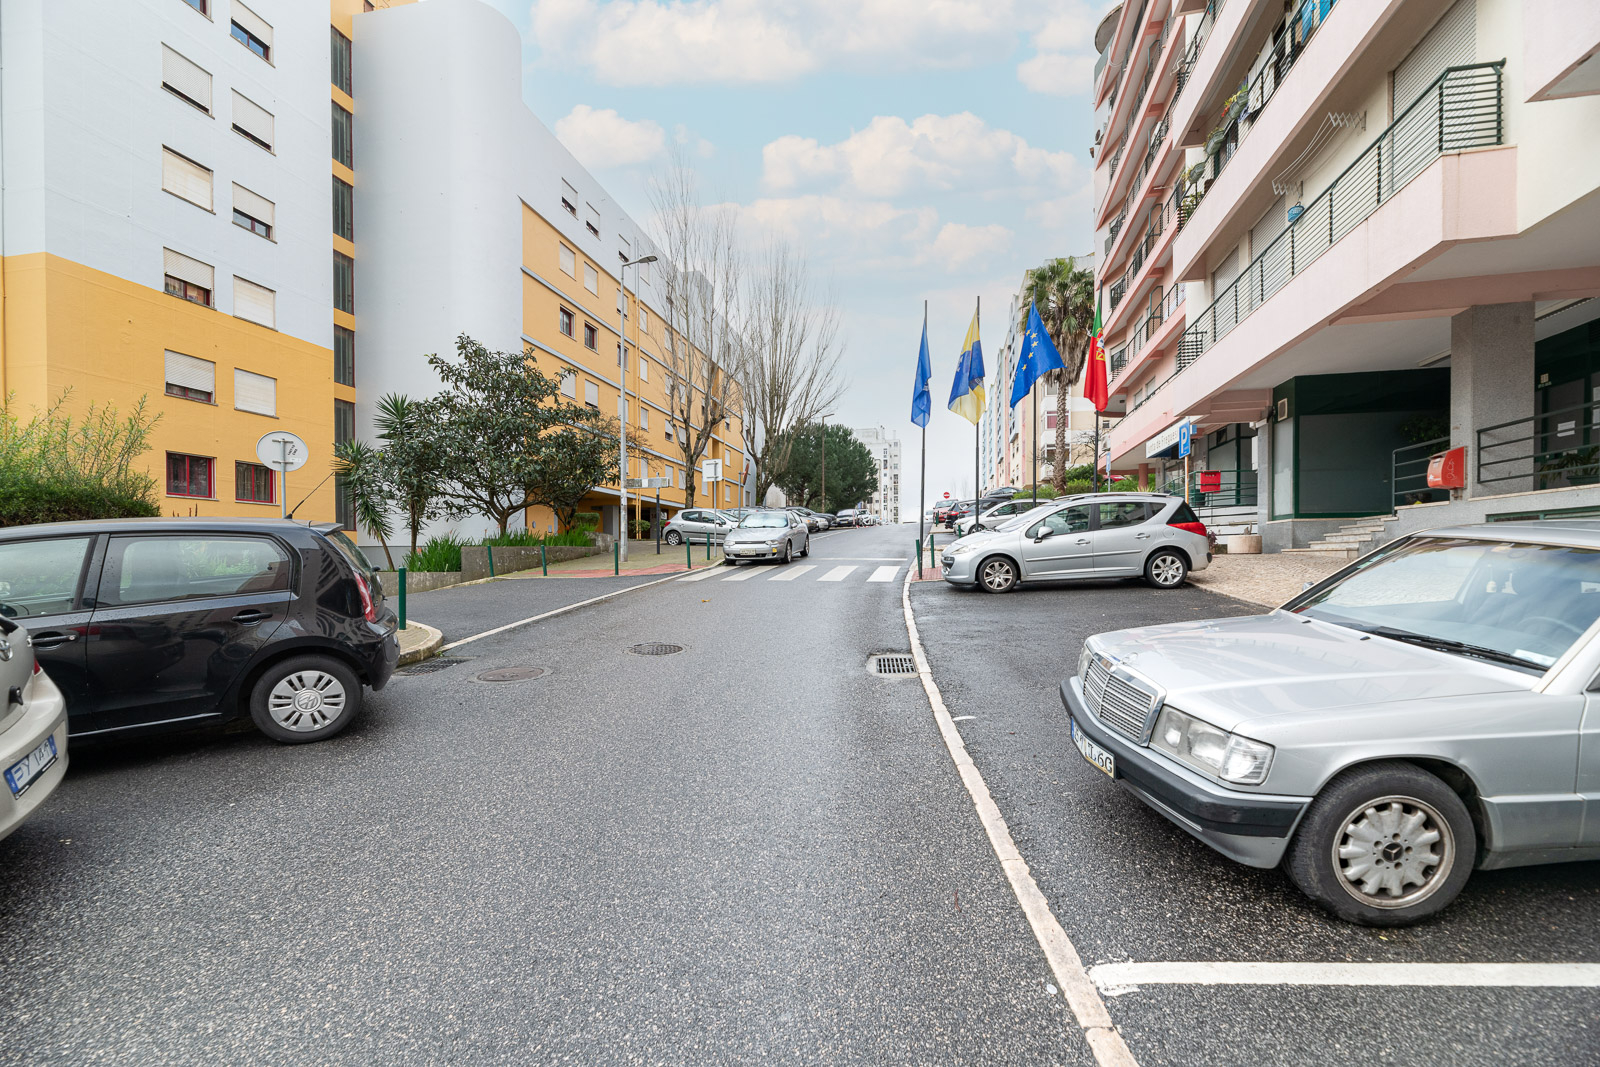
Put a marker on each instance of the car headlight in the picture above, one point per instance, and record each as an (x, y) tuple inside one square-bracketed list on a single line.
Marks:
[(774, 542), (959, 549), (1211, 750), (1083, 661)]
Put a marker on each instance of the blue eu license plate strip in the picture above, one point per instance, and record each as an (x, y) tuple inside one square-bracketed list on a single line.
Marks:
[(23, 773)]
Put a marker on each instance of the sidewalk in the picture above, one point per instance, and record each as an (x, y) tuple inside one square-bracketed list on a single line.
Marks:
[(1269, 579), (642, 559)]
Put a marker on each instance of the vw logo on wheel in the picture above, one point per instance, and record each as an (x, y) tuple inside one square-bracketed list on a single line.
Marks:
[(308, 700)]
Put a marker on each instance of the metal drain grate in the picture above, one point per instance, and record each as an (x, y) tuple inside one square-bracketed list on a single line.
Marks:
[(654, 648), (512, 674), (897, 664), (428, 666)]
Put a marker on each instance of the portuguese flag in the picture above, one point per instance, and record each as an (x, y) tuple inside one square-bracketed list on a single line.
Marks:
[(1095, 384)]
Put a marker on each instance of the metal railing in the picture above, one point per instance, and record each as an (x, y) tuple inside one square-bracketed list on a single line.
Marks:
[(1202, 33), (1116, 228), (1544, 451), (1100, 66), (1119, 359), (1408, 472), (1238, 490), (1462, 108)]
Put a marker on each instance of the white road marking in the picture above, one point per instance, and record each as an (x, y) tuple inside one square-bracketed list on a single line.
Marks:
[(863, 559), (743, 574), (791, 572), (836, 575), (963, 718), (883, 574), (1087, 1005), (556, 611), (1116, 978), (699, 576)]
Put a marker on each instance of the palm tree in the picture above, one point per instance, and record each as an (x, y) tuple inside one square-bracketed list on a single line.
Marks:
[(364, 480), (412, 461), (1064, 293)]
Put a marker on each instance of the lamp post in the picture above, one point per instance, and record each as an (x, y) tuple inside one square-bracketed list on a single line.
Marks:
[(622, 415), (824, 448)]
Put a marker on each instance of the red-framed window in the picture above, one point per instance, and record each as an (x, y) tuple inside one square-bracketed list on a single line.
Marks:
[(253, 483), (188, 291), (189, 475), (591, 336), (566, 322), (188, 393)]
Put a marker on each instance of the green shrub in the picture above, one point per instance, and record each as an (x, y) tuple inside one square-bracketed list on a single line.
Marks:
[(56, 468), (639, 528), (586, 520), (25, 500), (568, 539), (1046, 492), (442, 553), (530, 539)]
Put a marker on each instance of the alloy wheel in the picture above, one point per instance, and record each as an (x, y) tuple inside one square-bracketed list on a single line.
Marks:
[(998, 576), (306, 700), (1167, 570), (1393, 852)]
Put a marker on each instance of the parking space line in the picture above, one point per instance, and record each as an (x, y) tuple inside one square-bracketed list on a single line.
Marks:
[(791, 572), (699, 576), (836, 575), (743, 574), (883, 574), (1116, 978)]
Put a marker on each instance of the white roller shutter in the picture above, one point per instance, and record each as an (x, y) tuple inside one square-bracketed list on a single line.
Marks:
[(644, 368), (1451, 43), (190, 270), (591, 279), (252, 22), (1225, 273), (191, 373), (569, 262), (591, 394), (569, 384), (569, 195), (184, 78), (252, 118), (591, 217), (186, 178), (254, 302), (1271, 224), (257, 207), (255, 392)]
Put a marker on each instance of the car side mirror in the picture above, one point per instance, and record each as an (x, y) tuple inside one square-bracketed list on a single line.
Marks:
[(1042, 533), (1306, 585)]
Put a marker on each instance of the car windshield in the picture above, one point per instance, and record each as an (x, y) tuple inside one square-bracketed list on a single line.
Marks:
[(1022, 518), (1521, 605), (765, 520)]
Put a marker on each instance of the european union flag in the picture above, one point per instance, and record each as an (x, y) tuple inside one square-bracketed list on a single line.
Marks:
[(1039, 357), (921, 394)]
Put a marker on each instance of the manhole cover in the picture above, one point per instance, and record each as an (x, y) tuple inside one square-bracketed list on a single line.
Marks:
[(654, 648), (428, 666), (892, 663), (512, 674)]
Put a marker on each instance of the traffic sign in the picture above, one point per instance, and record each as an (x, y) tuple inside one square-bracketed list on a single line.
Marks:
[(650, 483), (947, 496), (711, 470), (282, 451), (1185, 435)]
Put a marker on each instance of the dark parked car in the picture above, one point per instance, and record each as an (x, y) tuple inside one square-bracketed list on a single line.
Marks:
[(959, 510), (149, 624), (845, 517)]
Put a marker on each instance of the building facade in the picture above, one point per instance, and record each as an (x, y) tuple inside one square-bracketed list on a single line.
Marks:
[(885, 449), (1340, 237)]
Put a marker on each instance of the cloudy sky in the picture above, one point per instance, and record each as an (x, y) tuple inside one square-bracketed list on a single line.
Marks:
[(913, 149)]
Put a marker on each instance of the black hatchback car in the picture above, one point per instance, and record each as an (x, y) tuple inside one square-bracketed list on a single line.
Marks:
[(153, 624)]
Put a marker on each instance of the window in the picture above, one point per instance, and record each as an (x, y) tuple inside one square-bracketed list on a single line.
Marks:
[(201, 6), (344, 282), (188, 278), (42, 574), (343, 136), (644, 319), (622, 357), (644, 417), (254, 392), (191, 378), (254, 303), (644, 368), (147, 570), (340, 59), (184, 178), (589, 336), (623, 408), (569, 261), (591, 394), (1069, 521), (252, 31), (566, 322), (591, 278), (344, 209), (185, 80), (188, 475), (252, 212), (667, 429), (344, 356), (569, 198), (569, 385), (344, 421), (1123, 513), (591, 219), (252, 121), (253, 483)]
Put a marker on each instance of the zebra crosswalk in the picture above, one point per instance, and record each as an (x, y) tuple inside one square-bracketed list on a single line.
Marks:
[(845, 572)]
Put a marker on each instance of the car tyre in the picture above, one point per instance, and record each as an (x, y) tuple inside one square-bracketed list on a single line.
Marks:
[(674, 538), (997, 575), (1166, 569), (304, 699), (788, 551), (805, 547), (1386, 844)]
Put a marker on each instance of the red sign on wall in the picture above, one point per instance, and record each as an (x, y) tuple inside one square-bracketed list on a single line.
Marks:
[(1448, 470), (1211, 481)]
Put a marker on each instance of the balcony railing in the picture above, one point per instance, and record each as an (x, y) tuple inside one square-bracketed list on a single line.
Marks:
[(1408, 472), (1116, 228), (1100, 66), (1463, 108), (1202, 33), (1119, 359)]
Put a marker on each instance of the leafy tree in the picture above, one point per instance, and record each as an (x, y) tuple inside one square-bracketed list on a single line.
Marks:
[(413, 460), (367, 482), (1064, 294), (852, 471)]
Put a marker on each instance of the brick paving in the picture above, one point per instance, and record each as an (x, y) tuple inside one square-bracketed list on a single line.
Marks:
[(1269, 579)]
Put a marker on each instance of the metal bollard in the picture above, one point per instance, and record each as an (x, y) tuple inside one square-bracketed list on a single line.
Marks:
[(616, 558), (919, 558), (544, 564), (708, 548), (491, 559), (688, 555), (402, 575)]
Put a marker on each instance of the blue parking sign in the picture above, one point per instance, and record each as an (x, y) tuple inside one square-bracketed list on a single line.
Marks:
[(1184, 432)]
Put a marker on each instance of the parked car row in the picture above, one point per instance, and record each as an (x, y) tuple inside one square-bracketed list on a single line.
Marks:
[(699, 525)]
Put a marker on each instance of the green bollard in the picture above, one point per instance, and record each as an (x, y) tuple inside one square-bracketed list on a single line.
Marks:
[(616, 558), (919, 559), (491, 559), (688, 555), (544, 564), (402, 574), (708, 548)]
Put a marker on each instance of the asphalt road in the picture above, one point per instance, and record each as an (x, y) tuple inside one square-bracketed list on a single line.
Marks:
[(459, 610)]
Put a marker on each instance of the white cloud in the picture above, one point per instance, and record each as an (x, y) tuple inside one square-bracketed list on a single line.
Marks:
[(1057, 73), (958, 245), (601, 138)]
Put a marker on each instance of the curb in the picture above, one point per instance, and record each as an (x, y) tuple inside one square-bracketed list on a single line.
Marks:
[(429, 647)]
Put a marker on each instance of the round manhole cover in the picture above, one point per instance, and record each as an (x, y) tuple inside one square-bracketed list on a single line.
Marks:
[(654, 648), (512, 674)]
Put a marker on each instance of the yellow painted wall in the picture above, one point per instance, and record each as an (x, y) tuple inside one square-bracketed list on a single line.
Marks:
[(106, 338)]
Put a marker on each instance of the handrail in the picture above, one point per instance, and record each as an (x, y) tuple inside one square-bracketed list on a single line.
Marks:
[(1549, 460), (1412, 471), (1462, 108)]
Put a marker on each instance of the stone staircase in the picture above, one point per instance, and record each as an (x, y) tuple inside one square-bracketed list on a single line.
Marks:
[(1354, 539)]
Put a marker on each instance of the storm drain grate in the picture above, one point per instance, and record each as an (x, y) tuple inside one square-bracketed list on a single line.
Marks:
[(513, 674), (654, 648), (892, 663), (428, 666)]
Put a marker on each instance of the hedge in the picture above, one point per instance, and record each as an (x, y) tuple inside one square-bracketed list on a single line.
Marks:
[(25, 500)]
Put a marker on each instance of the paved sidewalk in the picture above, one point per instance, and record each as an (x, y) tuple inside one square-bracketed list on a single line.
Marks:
[(642, 559), (1269, 579), (418, 641)]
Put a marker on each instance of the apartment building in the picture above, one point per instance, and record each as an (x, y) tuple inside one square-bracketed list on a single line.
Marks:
[(1340, 237), (885, 449)]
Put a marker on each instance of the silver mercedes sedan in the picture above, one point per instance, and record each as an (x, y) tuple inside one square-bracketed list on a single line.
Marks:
[(1432, 708), (774, 534)]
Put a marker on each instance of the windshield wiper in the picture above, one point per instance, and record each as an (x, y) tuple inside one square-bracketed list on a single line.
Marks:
[(1445, 644)]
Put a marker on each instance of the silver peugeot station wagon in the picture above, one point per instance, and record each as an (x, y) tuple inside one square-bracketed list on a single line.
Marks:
[(1431, 708)]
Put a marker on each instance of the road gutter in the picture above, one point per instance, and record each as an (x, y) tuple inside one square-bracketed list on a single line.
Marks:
[(1082, 995)]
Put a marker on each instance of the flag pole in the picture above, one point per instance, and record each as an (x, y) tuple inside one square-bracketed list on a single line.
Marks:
[(1035, 444), (1097, 450), (977, 477), (922, 493)]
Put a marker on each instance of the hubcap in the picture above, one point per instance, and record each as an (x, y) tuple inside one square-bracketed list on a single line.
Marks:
[(1394, 852), (1167, 570), (997, 575), (306, 700)]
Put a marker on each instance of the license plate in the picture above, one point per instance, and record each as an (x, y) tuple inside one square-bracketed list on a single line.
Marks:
[(22, 773), (1092, 752)]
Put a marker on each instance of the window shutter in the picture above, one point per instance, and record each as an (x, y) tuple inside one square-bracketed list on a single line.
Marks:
[(1274, 222), (591, 279), (569, 262), (644, 368), (1452, 42), (255, 392), (254, 302), (1225, 273), (252, 22), (185, 178), (190, 270), (191, 373), (185, 78), (644, 418), (568, 193), (591, 393), (252, 118), (569, 385), (257, 207), (590, 216)]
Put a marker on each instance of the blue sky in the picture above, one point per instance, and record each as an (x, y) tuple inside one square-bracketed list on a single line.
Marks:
[(912, 149)]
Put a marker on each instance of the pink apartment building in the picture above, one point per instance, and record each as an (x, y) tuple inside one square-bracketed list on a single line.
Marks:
[(1339, 236)]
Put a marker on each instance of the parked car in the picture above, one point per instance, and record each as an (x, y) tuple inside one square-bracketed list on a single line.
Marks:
[(151, 624), (1099, 535), (960, 510), (942, 509), (1426, 710), (812, 520), (768, 535), (698, 525), (845, 517), (995, 496), (33, 729), (995, 514)]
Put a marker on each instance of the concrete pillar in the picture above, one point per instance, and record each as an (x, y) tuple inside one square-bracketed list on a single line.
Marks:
[(1144, 477), (1491, 382)]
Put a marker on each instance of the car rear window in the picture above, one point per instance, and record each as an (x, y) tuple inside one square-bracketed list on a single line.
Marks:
[(349, 550), (1184, 514)]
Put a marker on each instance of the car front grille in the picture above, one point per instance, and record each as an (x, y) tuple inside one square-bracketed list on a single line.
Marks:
[(1117, 702)]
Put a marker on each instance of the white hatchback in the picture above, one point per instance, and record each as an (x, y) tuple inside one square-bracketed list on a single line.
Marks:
[(33, 729)]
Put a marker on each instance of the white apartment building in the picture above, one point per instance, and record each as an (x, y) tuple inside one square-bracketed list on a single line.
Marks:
[(885, 449), (1340, 236)]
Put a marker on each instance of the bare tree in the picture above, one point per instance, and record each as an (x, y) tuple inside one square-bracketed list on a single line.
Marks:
[(701, 283), (789, 367)]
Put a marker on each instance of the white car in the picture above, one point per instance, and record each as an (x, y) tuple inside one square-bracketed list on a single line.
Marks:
[(996, 515), (33, 729)]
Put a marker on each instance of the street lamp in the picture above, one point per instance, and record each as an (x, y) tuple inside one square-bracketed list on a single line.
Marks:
[(824, 446), (622, 360)]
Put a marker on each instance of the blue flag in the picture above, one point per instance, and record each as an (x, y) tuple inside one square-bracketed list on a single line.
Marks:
[(1039, 357), (921, 394)]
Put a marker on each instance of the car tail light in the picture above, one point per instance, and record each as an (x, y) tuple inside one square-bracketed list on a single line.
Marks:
[(36, 667), (1191, 527), (367, 607)]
